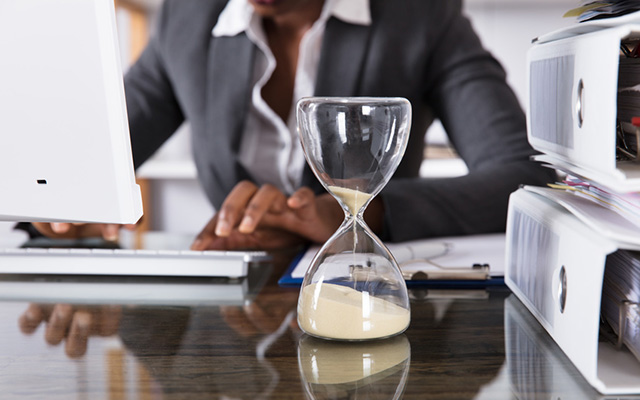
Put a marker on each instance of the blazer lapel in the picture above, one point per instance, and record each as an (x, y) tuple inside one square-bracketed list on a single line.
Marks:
[(228, 91), (230, 65), (344, 48)]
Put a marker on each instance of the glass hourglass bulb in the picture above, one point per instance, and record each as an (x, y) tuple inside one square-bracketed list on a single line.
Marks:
[(353, 289)]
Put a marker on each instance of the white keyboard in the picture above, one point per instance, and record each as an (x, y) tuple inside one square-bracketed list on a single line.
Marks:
[(55, 261)]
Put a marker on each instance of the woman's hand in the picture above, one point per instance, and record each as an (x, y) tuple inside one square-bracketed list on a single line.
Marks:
[(58, 230), (236, 225), (71, 324), (264, 218), (313, 217)]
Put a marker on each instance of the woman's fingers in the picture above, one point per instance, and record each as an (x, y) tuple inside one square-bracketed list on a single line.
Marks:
[(245, 206), (59, 323), (232, 210), (267, 199)]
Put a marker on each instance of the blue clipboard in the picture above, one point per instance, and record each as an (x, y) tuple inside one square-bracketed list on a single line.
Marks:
[(461, 244)]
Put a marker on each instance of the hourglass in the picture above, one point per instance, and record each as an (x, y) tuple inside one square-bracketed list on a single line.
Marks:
[(353, 289)]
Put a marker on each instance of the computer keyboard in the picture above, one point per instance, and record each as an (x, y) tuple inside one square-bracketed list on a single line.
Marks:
[(79, 261)]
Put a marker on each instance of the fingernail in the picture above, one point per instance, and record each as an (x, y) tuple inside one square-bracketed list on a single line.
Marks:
[(57, 227), (223, 228), (82, 323), (30, 315), (246, 225), (294, 201), (58, 314), (111, 233)]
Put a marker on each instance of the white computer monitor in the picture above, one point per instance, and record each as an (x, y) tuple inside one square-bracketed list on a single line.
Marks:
[(65, 151)]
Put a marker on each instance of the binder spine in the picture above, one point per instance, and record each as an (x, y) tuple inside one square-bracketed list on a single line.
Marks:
[(572, 111), (551, 116), (531, 259), (555, 264)]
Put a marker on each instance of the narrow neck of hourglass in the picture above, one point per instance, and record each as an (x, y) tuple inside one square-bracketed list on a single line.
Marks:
[(352, 222), (348, 214), (353, 202)]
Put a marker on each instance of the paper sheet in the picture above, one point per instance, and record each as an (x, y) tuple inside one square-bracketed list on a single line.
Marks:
[(463, 251)]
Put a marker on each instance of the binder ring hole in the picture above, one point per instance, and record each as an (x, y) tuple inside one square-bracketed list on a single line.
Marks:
[(580, 103), (562, 289)]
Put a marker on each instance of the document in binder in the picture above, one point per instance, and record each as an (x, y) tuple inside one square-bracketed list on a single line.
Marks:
[(563, 261), (583, 98), (621, 299), (474, 261), (625, 204)]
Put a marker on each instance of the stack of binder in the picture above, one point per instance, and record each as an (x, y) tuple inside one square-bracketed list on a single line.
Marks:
[(573, 249)]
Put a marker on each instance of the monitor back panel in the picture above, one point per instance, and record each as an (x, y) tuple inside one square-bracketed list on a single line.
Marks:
[(65, 152)]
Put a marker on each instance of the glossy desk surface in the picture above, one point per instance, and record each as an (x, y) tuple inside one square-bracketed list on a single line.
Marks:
[(239, 340)]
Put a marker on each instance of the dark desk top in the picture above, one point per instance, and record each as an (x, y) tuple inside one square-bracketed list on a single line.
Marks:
[(246, 345)]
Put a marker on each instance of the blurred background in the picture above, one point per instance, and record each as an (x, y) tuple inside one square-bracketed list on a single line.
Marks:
[(174, 201)]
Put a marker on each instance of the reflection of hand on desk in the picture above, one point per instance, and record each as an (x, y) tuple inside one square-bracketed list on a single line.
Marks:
[(191, 350), (264, 315), (73, 324)]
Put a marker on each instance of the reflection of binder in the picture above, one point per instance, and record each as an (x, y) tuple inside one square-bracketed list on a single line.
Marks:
[(557, 248), (573, 91), (535, 364)]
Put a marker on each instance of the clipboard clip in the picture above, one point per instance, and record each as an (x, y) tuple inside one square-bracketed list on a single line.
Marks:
[(477, 272)]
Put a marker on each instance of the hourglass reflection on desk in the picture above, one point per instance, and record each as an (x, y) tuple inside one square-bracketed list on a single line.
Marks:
[(354, 289)]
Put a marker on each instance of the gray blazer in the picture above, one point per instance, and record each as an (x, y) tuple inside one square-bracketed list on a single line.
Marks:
[(424, 50)]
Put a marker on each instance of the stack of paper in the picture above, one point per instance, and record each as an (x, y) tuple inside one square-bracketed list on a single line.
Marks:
[(628, 100), (621, 298), (590, 9), (625, 204)]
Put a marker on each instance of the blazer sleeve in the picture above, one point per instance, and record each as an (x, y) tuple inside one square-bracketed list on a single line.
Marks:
[(152, 107), (467, 89)]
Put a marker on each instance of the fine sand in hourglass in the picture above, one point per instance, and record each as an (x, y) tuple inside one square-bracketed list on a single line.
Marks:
[(340, 312), (354, 199)]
